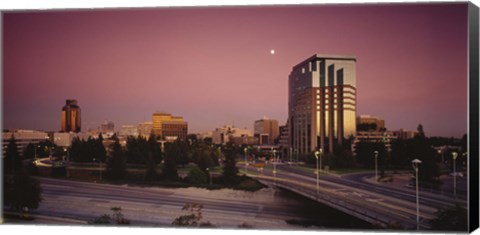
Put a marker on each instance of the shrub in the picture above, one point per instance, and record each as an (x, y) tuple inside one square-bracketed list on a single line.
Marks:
[(196, 176)]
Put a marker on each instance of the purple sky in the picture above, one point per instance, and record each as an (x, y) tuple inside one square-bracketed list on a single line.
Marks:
[(213, 65)]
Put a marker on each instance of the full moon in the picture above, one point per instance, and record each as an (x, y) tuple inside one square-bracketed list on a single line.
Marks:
[(272, 51)]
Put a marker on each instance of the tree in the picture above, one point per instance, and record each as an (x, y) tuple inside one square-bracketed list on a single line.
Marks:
[(420, 132), (365, 152), (192, 219), (419, 147), (22, 191), (451, 219), (196, 176), (151, 174), (343, 158), (137, 150), (399, 157), (230, 169), (44, 148), (169, 170), (179, 150), (117, 217), (99, 151), (155, 149), (29, 152), (116, 165), (12, 160)]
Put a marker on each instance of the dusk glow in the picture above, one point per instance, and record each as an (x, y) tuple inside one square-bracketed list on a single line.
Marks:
[(224, 65)]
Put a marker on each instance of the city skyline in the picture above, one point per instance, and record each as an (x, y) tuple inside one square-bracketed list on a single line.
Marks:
[(215, 66)]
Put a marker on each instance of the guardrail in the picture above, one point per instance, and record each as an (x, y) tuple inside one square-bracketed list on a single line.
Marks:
[(345, 205)]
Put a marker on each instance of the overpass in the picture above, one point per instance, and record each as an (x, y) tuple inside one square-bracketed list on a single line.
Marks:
[(372, 203)]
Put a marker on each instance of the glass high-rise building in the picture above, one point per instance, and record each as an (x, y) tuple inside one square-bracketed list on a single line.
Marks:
[(321, 103), (166, 125), (71, 118)]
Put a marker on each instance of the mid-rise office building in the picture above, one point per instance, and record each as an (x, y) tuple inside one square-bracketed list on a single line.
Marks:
[(71, 117), (23, 138), (230, 133), (322, 102), (129, 130), (266, 130), (403, 134), (166, 126), (145, 129), (370, 123), (64, 139)]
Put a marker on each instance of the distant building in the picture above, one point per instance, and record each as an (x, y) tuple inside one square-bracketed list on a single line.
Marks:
[(227, 133), (370, 123), (283, 138), (322, 102), (145, 129), (107, 127), (71, 117), (167, 126), (64, 139), (23, 138), (266, 130), (129, 130), (204, 135), (372, 129), (404, 134)]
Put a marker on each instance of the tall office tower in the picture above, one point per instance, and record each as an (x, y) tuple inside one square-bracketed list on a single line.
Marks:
[(321, 103), (71, 119), (266, 130), (165, 125)]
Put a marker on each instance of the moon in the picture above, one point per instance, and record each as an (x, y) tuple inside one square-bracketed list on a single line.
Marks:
[(272, 51)]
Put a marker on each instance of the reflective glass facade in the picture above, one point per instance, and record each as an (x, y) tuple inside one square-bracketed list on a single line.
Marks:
[(322, 102), (71, 119)]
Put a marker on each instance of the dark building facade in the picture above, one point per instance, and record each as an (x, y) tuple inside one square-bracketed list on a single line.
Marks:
[(71, 117)]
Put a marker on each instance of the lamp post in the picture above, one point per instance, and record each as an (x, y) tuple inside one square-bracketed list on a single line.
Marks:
[(209, 175), (68, 162), (376, 165), (321, 155), (246, 164), (317, 153), (274, 164), (35, 152), (454, 157), (290, 156), (415, 163)]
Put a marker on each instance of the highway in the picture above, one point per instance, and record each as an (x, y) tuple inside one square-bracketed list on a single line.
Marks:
[(349, 193), (365, 200), (83, 201)]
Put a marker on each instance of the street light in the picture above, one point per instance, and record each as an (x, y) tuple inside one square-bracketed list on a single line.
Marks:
[(415, 163), (290, 156), (245, 151), (317, 153), (68, 162), (376, 166), (274, 164), (210, 175), (454, 156), (321, 155)]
